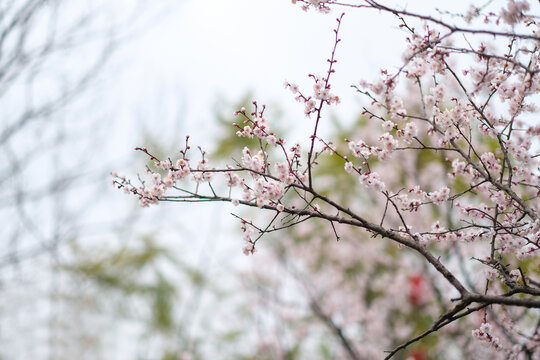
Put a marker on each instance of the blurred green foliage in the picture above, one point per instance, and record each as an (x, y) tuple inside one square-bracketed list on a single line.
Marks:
[(134, 271)]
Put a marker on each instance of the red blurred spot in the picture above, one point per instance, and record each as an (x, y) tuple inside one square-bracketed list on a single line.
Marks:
[(418, 355), (417, 290)]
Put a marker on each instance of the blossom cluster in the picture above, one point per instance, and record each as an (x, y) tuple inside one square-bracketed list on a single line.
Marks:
[(321, 93), (484, 333), (256, 127), (155, 191), (320, 5), (514, 11)]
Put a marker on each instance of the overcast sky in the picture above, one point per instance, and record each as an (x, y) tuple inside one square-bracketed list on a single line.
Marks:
[(211, 48)]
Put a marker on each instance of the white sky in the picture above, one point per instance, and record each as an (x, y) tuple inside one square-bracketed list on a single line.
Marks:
[(212, 47)]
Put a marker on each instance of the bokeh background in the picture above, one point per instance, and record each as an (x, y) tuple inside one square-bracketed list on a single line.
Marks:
[(84, 272)]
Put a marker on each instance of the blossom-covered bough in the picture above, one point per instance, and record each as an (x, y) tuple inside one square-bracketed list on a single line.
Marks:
[(479, 209)]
